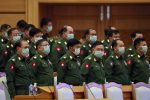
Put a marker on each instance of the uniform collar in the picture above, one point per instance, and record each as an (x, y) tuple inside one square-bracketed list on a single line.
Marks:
[(62, 40), (71, 55), (116, 56), (95, 58), (41, 55)]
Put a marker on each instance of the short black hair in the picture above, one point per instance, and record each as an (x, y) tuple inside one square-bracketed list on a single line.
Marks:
[(21, 24), (72, 42), (109, 31), (29, 27), (96, 44), (87, 32), (10, 31), (62, 31), (114, 43), (34, 31), (133, 35), (44, 21), (138, 41), (39, 42), (5, 27), (18, 43)]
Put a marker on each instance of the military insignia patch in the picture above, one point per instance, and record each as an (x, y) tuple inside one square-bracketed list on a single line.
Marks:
[(58, 48), (62, 64), (87, 66), (5, 52), (12, 67), (81, 52), (105, 54), (34, 64), (129, 62)]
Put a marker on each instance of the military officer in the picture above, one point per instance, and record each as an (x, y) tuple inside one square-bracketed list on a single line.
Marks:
[(26, 32), (4, 33), (13, 36), (91, 36), (134, 36), (59, 48), (69, 67), (116, 67), (46, 27), (18, 72), (21, 24), (92, 68), (138, 62), (111, 33), (35, 35), (41, 65), (3, 47)]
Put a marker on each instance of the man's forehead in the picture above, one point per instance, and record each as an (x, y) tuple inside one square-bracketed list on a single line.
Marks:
[(25, 43), (143, 42), (120, 42), (99, 46), (15, 31), (44, 42)]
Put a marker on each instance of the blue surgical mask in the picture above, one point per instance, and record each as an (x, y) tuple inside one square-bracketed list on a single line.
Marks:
[(46, 50), (70, 36), (49, 29), (25, 52), (16, 38), (37, 39), (93, 39), (99, 54)]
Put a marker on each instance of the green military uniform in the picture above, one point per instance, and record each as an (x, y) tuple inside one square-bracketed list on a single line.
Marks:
[(58, 49), (129, 51), (3, 40), (116, 70), (5, 56), (85, 50), (52, 40), (32, 48), (107, 48), (138, 68), (106, 42), (69, 70), (11, 50), (93, 70), (19, 76), (27, 39), (42, 69)]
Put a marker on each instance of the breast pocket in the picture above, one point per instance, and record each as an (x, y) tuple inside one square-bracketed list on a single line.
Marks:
[(72, 65)]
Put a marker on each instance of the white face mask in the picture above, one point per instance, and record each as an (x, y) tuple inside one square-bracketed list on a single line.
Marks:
[(121, 50), (25, 52), (77, 51), (16, 38), (49, 29), (99, 54), (37, 39), (70, 36), (144, 49), (93, 39)]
